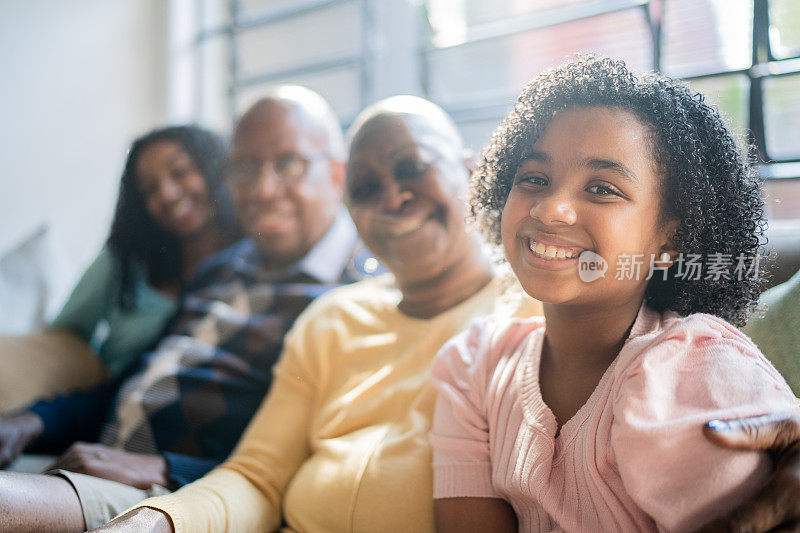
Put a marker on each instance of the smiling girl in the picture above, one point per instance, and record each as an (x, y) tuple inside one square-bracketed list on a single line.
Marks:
[(594, 422)]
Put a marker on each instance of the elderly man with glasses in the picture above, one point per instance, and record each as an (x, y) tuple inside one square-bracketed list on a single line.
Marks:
[(181, 411)]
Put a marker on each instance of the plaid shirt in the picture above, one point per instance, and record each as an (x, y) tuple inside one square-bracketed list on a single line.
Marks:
[(192, 397)]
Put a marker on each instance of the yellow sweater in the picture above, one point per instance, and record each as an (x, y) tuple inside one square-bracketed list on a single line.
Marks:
[(340, 442)]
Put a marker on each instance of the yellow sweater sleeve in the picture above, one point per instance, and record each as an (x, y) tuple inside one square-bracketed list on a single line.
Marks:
[(245, 493)]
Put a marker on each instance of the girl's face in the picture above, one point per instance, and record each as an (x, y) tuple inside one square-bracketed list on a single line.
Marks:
[(173, 189), (589, 184)]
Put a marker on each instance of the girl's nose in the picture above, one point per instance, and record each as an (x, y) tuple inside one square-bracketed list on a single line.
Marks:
[(554, 210)]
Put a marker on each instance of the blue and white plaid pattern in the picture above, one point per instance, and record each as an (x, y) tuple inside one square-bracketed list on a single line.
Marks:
[(196, 392)]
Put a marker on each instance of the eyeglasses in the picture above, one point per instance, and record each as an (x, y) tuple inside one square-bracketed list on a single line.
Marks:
[(290, 169)]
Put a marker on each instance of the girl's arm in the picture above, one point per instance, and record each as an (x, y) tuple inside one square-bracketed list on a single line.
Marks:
[(693, 374), (465, 515), (465, 499)]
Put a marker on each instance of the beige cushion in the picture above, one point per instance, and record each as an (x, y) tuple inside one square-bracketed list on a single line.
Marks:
[(41, 365)]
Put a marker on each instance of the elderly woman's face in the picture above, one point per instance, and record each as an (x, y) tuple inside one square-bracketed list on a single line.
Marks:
[(406, 186)]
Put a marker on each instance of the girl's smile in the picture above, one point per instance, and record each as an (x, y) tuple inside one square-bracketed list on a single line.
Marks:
[(551, 252)]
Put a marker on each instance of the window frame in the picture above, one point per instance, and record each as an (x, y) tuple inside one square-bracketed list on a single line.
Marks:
[(764, 64), (239, 22)]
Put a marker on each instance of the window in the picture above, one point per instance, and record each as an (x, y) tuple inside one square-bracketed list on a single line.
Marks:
[(473, 57), (744, 55), (245, 45)]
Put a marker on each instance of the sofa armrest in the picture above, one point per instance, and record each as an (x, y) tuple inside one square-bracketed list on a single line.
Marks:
[(41, 365)]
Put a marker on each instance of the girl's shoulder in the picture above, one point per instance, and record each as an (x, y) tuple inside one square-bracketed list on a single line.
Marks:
[(699, 344), (499, 332), (701, 330), (487, 342)]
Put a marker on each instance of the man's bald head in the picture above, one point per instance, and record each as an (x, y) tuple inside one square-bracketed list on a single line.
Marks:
[(287, 170), (308, 107)]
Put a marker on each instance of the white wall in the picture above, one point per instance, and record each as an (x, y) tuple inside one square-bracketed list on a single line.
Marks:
[(80, 80)]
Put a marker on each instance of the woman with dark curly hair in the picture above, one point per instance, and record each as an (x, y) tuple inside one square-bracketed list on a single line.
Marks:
[(173, 210), (623, 204)]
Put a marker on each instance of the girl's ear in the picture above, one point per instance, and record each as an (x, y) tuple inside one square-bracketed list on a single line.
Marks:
[(668, 253)]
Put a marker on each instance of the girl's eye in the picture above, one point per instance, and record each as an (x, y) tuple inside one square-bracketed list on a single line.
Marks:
[(533, 180), (365, 191), (602, 190), (410, 169)]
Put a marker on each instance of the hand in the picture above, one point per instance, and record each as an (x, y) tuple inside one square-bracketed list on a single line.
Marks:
[(134, 469), (776, 505), (16, 432), (139, 520)]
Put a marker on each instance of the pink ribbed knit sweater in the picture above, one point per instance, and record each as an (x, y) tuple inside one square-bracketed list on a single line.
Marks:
[(633, 458)]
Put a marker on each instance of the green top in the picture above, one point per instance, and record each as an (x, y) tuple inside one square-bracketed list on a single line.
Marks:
[(93, 312), (778, 332)]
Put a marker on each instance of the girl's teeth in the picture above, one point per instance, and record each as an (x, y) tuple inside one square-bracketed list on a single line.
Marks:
[(550, 252)]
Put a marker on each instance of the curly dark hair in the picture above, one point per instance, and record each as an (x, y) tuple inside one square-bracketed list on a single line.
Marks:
[(136, 238), (708, 182)]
